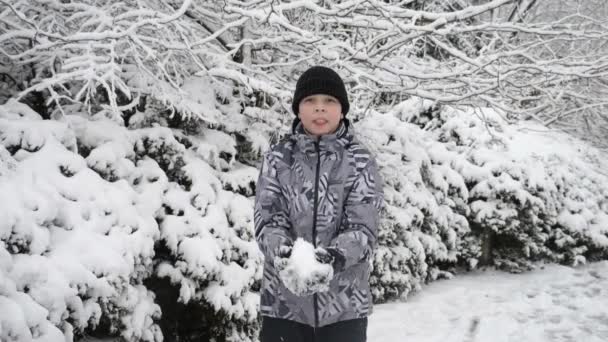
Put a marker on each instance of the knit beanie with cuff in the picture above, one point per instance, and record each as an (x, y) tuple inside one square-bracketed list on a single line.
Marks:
[(320, 80)]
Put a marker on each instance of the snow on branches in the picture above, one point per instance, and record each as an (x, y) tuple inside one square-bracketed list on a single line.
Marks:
[(104, 55), (93, 213), (74, 247)]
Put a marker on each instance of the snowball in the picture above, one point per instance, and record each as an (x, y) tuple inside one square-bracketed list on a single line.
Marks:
[(302, 274)]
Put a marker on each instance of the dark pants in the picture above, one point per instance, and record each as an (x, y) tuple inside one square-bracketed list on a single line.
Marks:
[(282, 330)]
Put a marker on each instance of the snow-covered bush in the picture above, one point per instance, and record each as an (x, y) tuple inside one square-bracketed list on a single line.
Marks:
[(581, 230), (426, 206), (528, 200), (74, 248), (206, 248), (123, 236), (462, 187)]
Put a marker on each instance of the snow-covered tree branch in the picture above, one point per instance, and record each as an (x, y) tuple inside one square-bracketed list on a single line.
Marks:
[(483, 53)]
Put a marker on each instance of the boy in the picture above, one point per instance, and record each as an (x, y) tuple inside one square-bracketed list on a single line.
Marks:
[(319, 184)]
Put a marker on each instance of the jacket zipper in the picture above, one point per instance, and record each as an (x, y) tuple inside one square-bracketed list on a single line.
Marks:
[(314, 222)]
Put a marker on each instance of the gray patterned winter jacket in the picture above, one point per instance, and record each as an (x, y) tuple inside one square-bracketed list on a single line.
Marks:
[(328, 192)]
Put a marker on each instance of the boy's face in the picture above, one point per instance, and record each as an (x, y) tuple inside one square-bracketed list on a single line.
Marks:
[(320, 114)]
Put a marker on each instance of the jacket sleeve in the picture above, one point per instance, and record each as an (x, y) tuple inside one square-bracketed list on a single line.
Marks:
[(271, 219), (358, 234)]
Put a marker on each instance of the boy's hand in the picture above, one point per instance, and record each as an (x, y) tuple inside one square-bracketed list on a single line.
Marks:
[(323, 256), (282, 258), (300, 276), (285, 251), (330, 256)]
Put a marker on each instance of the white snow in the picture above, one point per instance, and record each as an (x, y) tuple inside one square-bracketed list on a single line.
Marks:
[(552, 304), (303, 274), (77, 233)]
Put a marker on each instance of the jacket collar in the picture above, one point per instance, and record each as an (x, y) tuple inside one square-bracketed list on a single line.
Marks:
[(333, 142)]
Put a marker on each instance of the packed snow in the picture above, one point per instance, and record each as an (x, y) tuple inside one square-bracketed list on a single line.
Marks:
[(302, 274)]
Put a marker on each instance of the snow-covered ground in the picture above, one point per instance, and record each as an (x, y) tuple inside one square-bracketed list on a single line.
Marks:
[(554, 304)]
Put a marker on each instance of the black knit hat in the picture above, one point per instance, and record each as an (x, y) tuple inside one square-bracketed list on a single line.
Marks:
[(320, 80)]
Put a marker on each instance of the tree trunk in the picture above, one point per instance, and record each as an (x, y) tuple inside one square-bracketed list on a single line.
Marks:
[(487, 245)]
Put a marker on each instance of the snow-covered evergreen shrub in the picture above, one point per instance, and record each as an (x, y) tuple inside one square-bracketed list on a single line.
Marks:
[(206, 249), (74, 248), (520, 204), (425, 212), (581, 230), (141, 225)]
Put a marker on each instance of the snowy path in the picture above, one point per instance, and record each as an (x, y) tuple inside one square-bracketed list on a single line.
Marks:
[(554, 304)]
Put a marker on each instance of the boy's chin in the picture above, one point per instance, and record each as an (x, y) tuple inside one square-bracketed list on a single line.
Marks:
[(320, 132)]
